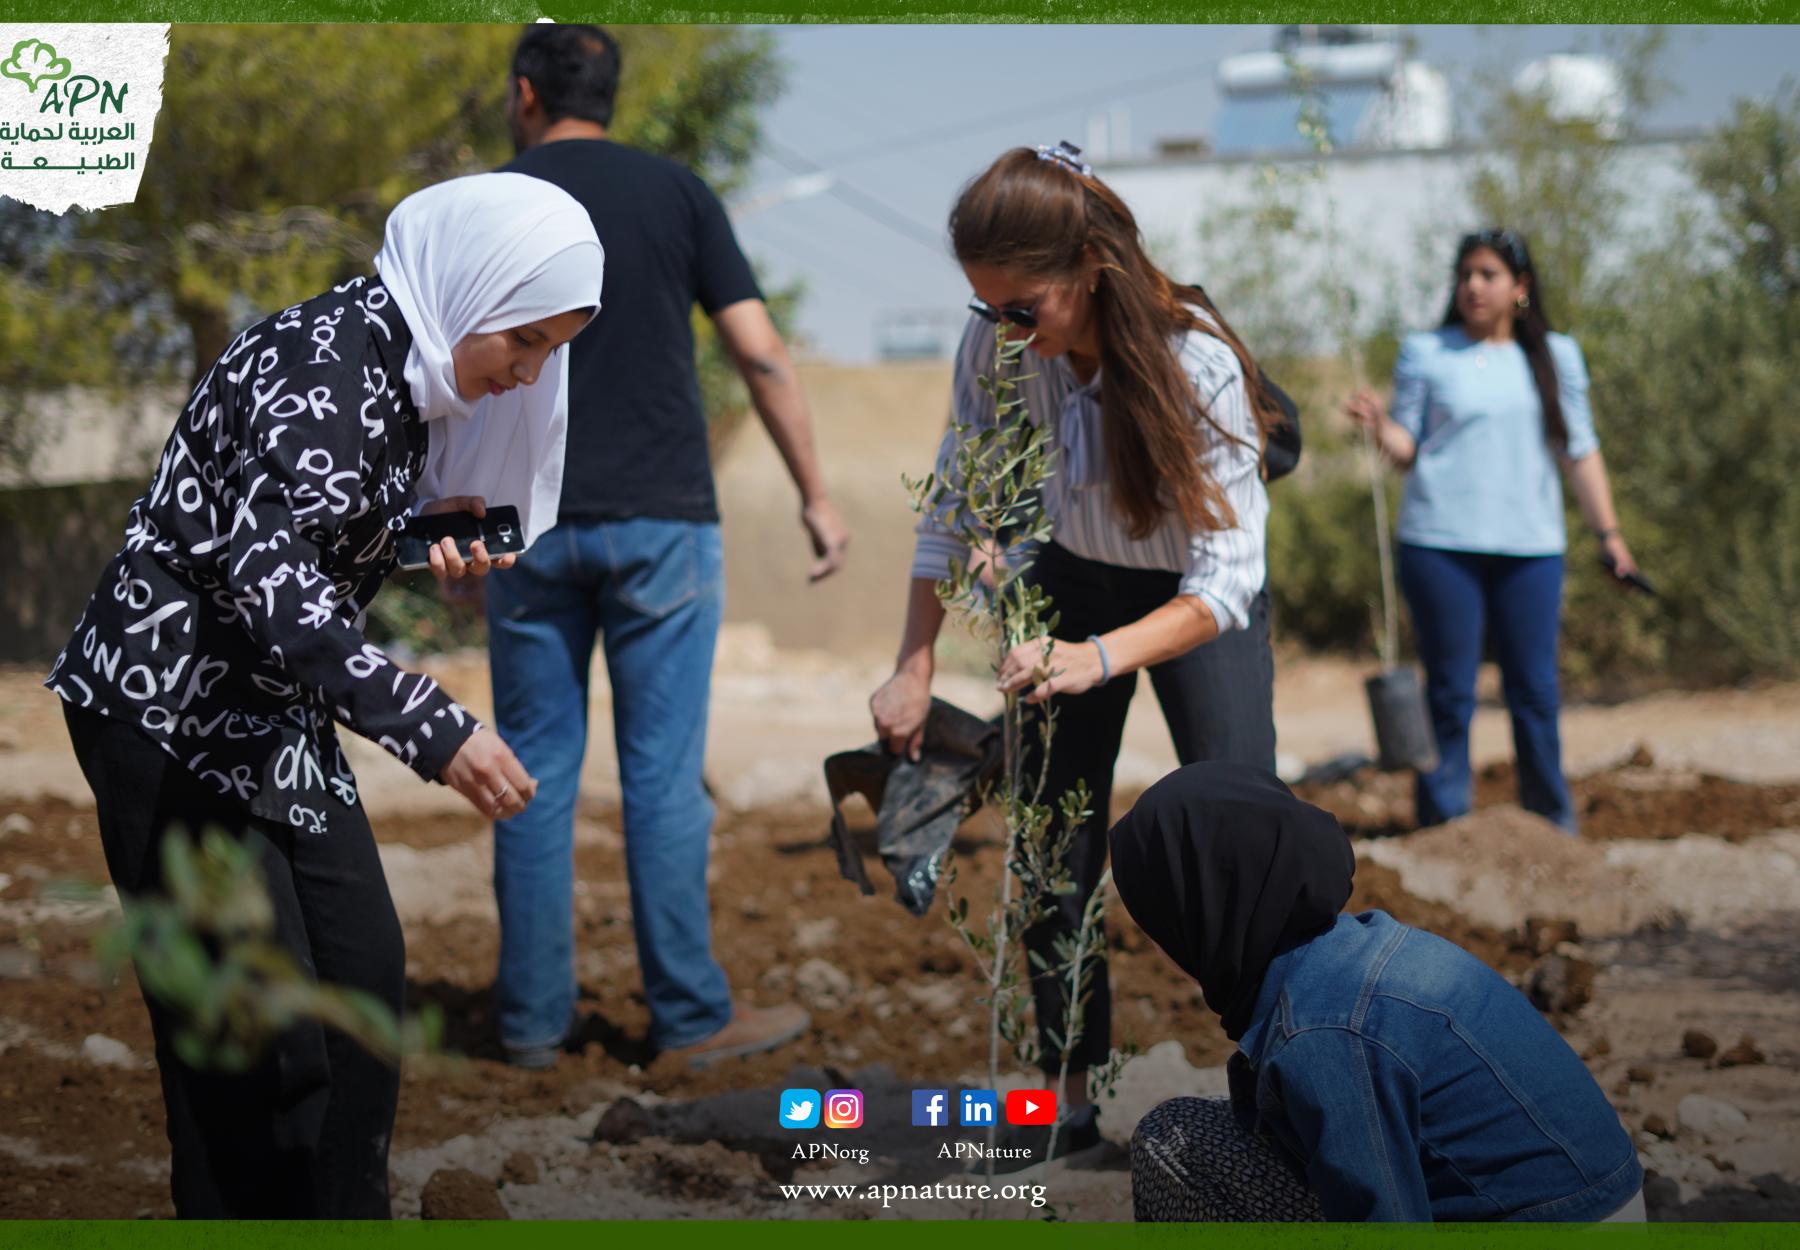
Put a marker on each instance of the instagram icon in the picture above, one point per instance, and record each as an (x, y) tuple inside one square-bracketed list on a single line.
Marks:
[(843, 1108)]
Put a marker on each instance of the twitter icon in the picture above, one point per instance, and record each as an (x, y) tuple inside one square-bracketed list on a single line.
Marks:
[(799, 1108)]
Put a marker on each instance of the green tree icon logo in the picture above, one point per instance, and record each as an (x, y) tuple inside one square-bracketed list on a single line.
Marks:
[(33, 61)]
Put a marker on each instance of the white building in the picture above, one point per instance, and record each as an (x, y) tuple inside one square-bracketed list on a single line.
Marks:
[(1398, 213), (1396, 177)]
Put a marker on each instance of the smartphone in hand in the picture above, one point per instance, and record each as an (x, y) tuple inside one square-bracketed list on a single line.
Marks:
[(1637, 581), (499, 530)]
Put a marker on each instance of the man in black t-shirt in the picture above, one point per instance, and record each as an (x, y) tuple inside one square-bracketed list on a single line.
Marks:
[(635, 560)]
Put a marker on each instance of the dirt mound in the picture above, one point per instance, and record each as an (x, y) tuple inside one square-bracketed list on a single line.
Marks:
[(1645, 802), (1636, 800), (1501, 866)]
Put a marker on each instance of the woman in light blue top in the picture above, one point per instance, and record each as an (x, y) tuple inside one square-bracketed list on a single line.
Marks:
[(1489, 411)]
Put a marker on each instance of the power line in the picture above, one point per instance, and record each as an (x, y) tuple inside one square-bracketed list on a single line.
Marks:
[(1025, 112), (858, 200), (811, 253), (877, 209)]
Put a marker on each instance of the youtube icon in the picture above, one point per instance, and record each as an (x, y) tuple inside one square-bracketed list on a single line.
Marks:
[(1031, 1106)]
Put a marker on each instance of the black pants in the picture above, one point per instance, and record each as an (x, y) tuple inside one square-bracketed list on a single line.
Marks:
[(304, 1134), (1218, 700)]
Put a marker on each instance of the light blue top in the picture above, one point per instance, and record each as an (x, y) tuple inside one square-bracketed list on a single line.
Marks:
[(1485, 478)]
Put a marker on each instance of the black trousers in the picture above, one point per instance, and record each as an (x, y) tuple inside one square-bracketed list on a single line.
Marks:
[(1218, 700), (304, 1133)]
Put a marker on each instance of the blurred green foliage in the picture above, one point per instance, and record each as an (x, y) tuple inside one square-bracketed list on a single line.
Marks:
[(279, 152), (277, 156), (1696, 366), (206, 950)]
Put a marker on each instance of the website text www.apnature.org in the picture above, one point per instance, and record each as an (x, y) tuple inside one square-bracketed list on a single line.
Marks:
[(932, 1191), (842, 1109)]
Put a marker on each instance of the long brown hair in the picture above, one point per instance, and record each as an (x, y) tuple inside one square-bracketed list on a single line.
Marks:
[(1045, 220)]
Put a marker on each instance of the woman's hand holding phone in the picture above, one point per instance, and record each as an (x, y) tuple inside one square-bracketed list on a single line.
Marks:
[(446, 561)]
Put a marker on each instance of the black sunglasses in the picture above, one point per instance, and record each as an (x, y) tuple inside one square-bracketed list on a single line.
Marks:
[(1504, 242), (1024, 318)]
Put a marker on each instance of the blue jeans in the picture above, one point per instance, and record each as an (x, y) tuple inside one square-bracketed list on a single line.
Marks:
[(652, 590), (1456, 598)]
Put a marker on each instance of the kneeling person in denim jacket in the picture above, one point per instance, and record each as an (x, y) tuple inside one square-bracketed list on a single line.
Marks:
[(1381, 1072)]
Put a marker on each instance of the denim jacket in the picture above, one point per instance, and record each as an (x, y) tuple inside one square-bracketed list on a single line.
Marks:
[(1405, 1080)]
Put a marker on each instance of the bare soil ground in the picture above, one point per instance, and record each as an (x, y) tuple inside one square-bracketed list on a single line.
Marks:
[(1710, 868)]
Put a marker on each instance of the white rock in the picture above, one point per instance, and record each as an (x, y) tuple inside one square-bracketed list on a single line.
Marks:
[(822, 984), (15, 822), (939, 998), (1692, 1175), (107, 1051), (816, 935), (1160, 1073), (1710, 1117)]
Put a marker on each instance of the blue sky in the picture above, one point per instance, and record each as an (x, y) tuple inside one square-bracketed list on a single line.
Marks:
[(902, 115)]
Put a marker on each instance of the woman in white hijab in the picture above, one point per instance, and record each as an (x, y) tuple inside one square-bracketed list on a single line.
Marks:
[(225, 638)]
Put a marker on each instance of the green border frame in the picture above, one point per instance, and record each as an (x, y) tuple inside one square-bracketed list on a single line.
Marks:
[(887, 1235), (1511, 12), (900, 1234)]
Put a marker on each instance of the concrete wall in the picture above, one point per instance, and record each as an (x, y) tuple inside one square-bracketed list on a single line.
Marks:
[(56, 540), (874, 423), (62, 507)]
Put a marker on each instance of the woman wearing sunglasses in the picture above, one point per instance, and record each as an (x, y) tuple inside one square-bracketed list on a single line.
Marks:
[(1156, 559), (1487, 409)]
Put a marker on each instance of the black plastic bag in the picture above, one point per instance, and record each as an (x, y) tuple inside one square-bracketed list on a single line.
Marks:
[(917, 806)]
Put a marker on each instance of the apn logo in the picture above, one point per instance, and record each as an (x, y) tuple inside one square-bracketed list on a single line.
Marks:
[(35, 63), (931, 1107), (979, 1107)]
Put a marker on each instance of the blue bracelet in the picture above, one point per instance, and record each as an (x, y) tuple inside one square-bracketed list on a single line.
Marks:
[(1105, 660)]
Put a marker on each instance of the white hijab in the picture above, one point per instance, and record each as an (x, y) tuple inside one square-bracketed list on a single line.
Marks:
[(472, 256)]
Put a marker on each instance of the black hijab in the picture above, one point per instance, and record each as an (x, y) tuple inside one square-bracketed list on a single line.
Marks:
[(1225, 869)]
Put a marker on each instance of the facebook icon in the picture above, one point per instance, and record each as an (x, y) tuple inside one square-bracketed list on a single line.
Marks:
[(978, 1107), (931, 1107)]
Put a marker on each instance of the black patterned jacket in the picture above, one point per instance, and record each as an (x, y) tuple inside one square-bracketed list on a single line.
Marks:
[(229, 628)]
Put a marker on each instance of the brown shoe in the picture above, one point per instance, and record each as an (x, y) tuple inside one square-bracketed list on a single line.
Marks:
[(749, 1032)]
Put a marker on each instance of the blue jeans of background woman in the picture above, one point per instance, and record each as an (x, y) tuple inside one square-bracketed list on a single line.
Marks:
[(1218, 700), (1458, 600)]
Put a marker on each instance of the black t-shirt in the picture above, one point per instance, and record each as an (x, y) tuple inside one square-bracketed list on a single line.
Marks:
[(637, 432)]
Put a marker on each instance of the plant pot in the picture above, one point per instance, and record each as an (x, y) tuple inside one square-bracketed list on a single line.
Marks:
[(1403, 737)]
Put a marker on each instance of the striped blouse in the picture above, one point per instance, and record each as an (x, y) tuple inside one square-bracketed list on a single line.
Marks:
[(1224, 568)]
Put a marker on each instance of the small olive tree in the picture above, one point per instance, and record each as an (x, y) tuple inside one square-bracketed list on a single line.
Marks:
[(990, 496)]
